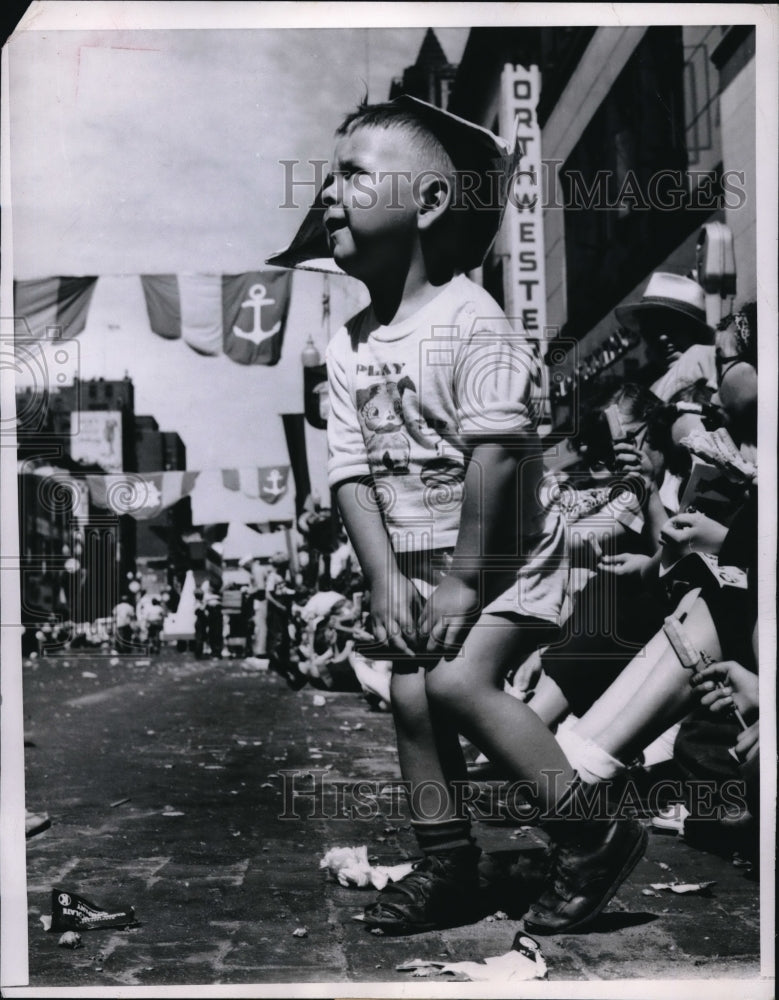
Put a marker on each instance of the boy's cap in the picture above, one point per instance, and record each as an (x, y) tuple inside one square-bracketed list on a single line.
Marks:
[(471, 147)]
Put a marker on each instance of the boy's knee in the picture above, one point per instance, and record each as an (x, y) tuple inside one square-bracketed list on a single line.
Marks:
[(449, 689)]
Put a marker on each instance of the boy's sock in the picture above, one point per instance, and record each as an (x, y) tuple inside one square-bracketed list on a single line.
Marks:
[(442, 836)]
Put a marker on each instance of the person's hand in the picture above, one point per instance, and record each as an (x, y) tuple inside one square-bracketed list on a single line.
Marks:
[(624, 563), (695, 532), (726, 684), (448, 616), (632, 462), (396, 605), (748, 742)]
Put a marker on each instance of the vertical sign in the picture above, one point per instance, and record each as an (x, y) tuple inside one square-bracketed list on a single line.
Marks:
[(522, 237)]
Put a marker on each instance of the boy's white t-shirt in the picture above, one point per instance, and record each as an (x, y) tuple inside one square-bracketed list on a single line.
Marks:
[(407, 400)]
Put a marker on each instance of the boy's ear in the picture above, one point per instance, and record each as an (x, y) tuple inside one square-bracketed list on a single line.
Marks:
[(434, 195)]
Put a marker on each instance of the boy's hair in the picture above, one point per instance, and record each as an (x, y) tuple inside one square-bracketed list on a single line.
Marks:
[(393, 116)]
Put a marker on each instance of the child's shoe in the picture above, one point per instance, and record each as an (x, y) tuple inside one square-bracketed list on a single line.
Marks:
[(441, 891), (591, 859)]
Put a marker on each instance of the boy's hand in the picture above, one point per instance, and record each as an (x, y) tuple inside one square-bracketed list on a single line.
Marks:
[(396, 605), (448, 616)]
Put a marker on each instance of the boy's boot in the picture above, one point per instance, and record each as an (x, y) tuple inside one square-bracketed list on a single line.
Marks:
[(591, 857), (441, 891)]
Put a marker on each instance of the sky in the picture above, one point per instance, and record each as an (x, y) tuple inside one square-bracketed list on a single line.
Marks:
[(158, 151)]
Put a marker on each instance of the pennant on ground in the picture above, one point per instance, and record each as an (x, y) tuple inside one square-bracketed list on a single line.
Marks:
[(242, 315), (142, 495), (51, 308)]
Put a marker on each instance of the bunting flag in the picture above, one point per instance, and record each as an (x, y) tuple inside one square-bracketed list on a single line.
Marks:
[(248, 496), (242, 316), (142, 495), (269, 483), (51, 308), (295, 433)]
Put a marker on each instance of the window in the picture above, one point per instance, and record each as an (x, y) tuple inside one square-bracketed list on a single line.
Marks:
[(626, 183)]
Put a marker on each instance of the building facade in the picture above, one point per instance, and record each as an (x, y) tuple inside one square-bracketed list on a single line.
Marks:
[(75, 555), (647, 134)]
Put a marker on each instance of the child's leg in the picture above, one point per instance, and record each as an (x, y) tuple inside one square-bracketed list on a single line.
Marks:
[(650, 694), (443, 887), (469, 690), (593, 852), (428, 749), (548, 701)]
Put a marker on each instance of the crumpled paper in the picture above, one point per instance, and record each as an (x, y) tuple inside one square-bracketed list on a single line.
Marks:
[(523, 962), (683, 888), (350, 866)]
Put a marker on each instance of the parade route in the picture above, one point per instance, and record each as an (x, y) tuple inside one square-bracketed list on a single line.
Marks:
[(205, 793)]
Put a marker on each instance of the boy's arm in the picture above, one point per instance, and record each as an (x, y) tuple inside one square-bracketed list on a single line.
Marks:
[(395, 602), (490, 524), (497, 385)]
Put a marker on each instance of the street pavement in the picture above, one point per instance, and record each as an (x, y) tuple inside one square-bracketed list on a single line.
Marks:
[(205, 793)]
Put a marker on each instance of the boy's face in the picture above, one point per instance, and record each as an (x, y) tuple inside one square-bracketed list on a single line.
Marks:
[(371, 211)]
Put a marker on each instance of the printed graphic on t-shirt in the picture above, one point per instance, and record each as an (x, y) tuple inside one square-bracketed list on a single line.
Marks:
[(380, 410), (392, 423)]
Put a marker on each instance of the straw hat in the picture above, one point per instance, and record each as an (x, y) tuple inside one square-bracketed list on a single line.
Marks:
[(671, 299)]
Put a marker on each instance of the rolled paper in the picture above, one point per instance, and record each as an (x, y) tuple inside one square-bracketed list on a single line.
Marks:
[(614, 421), (681, 645)]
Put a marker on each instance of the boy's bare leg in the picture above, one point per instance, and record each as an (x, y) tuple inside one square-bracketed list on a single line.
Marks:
[(429, 749), (469, 689)]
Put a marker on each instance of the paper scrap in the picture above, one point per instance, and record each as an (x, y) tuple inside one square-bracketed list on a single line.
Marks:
[(350, 866), (682, 887), (523, 962)]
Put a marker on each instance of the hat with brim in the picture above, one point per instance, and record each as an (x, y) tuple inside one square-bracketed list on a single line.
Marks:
[(671, 300), (471, 147)]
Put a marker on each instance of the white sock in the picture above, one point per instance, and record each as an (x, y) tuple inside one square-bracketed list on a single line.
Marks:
[(590, 761)]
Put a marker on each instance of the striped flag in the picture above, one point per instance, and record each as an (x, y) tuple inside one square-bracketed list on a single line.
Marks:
[(242, 316), (141, 495), (50, 308)]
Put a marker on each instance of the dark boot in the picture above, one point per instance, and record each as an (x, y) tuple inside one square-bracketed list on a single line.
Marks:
[(441, 891), (591, 858)]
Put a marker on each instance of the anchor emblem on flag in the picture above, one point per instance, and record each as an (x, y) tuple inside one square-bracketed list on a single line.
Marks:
[(273, 484), (258, 297)]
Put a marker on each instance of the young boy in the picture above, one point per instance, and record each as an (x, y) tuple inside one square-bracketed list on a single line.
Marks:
[(436, 464)]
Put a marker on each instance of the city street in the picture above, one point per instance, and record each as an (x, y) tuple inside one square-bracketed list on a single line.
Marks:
[(167, 780)]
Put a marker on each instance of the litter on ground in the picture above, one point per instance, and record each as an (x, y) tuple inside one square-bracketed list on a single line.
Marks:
[(350, 866), (523, 962)]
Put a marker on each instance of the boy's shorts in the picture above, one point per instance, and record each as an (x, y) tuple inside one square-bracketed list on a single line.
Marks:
[(427, 569), (501, 588), (535, 589)]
